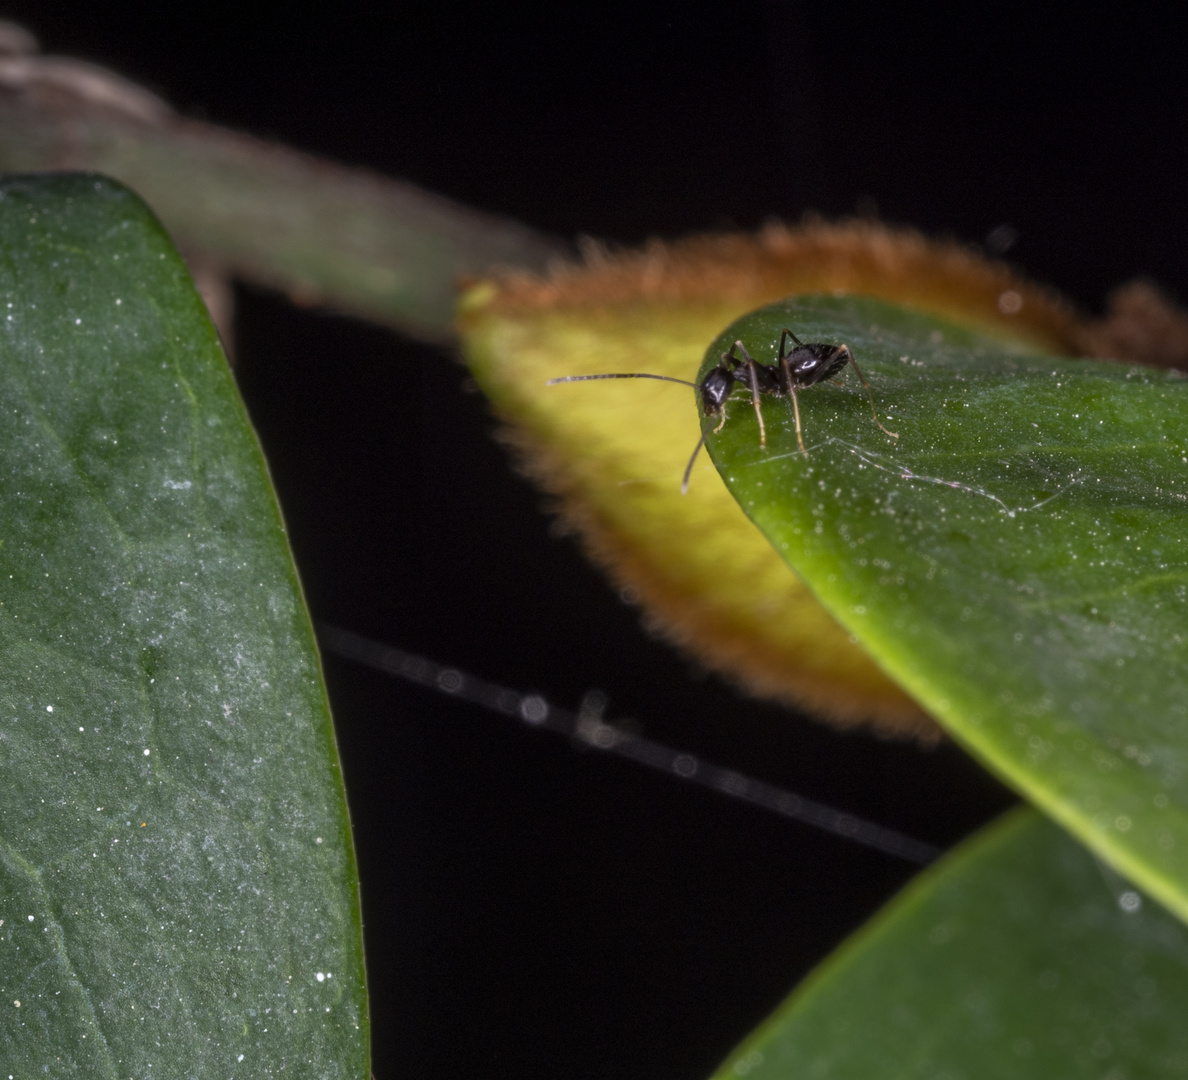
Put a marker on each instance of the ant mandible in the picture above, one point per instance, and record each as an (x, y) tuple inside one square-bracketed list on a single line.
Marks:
[(805, 366)]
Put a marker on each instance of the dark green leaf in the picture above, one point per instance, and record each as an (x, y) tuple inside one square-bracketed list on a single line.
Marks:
[(1019, 957), (177, 887), (1017, 559)]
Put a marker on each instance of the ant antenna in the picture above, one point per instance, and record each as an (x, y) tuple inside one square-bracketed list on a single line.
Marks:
[(632, 375), (869, 396), (662, 378), (689, 467)]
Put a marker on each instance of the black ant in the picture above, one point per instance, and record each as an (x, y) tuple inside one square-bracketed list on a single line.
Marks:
[(804, 366)]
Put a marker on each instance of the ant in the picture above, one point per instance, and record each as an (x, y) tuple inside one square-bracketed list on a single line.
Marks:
[(804, 366)]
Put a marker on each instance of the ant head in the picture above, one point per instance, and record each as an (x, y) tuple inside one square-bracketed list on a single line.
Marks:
[(717, 387)]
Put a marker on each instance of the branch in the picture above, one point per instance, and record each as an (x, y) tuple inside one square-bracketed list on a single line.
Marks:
[(325, 234)]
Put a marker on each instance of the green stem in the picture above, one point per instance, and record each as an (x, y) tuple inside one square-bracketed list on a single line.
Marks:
[(346, 238)]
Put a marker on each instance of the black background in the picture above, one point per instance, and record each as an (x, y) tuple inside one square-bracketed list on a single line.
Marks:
[(532, 910)]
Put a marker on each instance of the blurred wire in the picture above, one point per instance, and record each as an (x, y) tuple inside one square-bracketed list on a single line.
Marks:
[(588, 728)]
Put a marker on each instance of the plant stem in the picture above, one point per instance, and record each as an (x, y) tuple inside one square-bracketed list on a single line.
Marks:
[(325, 234)]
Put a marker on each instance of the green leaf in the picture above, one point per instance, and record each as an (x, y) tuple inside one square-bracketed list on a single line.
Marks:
[(1017, 559), (177, 885), (1016, 957)]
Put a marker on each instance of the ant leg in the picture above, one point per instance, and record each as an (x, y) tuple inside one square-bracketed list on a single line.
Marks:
[(758, 407), (722, 422), (784, 342), (796, 413), (790, 390), (869, 395), (689, 467), (750, 365)]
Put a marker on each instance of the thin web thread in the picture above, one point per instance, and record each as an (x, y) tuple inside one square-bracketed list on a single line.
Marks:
[(588, 727)]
